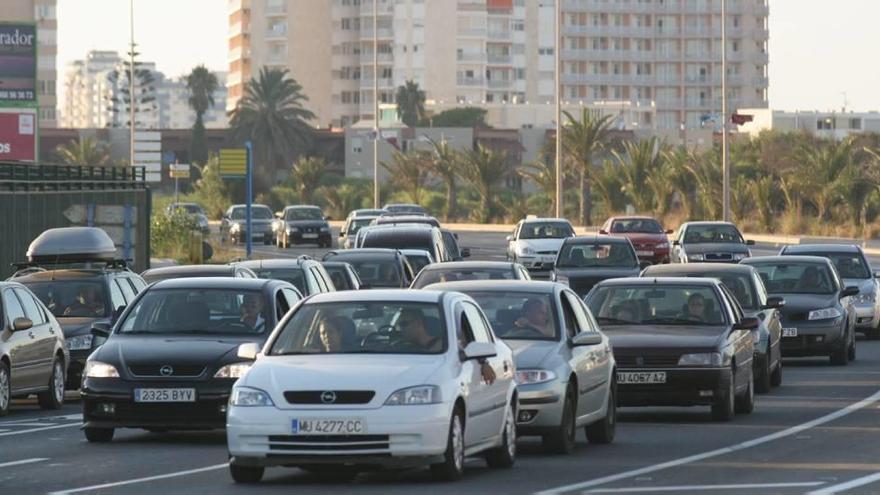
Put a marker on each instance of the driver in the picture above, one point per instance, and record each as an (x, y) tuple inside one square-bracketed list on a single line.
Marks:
[(332, 333), (252, 312), (696, 306), (87, 303), (536, 316), (414, 330), (810, 280)]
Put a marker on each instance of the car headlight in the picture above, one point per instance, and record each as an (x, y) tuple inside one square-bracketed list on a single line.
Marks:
[(696, 257), (740, 256), (234, 370), (292, 229), (702, 359), (325, 229), (97, 369), (868, 297), (80, 342), (662, 245), (824, 314), (423, 394), (526, 251), (531, 377), (235, 227), (249, 397)]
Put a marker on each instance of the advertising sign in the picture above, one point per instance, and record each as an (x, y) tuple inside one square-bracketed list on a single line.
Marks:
[(18, 135), (18, 63)]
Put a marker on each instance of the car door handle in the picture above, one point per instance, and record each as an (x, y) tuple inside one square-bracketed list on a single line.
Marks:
[(506, 367)]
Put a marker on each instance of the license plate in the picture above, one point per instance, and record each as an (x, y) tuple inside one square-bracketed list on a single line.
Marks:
[(310, 236), (641, 377), (328, 426), (164, 395), (645, 253), (789, 332)]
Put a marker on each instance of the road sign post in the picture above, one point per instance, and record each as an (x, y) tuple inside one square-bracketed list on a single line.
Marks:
[(249, 179)]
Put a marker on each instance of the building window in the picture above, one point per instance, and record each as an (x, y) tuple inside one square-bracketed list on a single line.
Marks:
[(855, 124), (824, 124)]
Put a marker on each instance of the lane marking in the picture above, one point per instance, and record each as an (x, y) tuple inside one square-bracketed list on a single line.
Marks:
[(34, 430), (866, 480), (23, 461), (700, 488), (142, 480), (718, 452), (19, 422), (807, 466)]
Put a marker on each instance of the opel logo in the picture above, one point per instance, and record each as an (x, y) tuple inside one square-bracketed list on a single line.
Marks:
[(328, 397), (166, 370)]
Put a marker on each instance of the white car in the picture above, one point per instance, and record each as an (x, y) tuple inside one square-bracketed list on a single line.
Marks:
[(375, 378), (536, 241)]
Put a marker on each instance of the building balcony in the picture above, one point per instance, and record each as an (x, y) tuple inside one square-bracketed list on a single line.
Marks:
[(471, 33), (366, 33), (383, 58), (236, 5), (279, 10), (500, 83), (238, 28), (611, 55), (470, 81), (499, 59), (277, 34), (367, 83), (500, 35), (472, 58), (239, 53)]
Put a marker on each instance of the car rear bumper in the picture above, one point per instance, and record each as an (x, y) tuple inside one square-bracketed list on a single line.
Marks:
[(683, 387), (299, 238)]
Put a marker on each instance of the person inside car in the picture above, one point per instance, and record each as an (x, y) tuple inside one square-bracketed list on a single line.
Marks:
[(695, 309), (486, 370), (415, 332), (625, 311), (87, 303), (336, 333), (535, 316), (811, 281), (252, 312)]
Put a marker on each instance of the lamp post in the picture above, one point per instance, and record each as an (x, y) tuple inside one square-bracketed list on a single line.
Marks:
[(376, 104), (725, 146), (131, 73), (558, 56)]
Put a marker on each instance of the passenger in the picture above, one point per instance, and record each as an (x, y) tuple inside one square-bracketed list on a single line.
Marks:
[(626, 311), (87, 303), (252, 312), (536, 315), (332, 331), (415, 333), (696, 307)]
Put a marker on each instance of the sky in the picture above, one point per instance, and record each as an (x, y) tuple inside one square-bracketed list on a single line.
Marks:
[(819, 49)]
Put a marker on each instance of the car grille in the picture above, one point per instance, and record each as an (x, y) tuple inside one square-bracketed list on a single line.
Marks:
[(794, 317), (328, 443), (342, 396), (637, 361), (547, 252), (719, 257), (178, 370), (582, 285)]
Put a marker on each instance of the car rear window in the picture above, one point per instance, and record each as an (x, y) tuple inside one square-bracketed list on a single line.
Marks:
[(72, 298)]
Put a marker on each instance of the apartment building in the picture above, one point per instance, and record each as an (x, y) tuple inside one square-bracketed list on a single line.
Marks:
[(43, 13), (831, 124)]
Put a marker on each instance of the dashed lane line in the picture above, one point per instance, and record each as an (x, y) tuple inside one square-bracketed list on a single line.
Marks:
[(23, 461), (704, 488), (141, 480)]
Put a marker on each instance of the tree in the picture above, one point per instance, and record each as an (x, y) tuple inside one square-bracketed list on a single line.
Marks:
[(678, 161), (410, 101), (343, 198), (858, 181), (306, 174), (201, 84), (581, 140), (85, 151), (484, 169), (821, 167), (460, 117), (444, 164), (271, 115), (543, 176), (409, 172), (608, 183), (210, 190), (763, 191), (644, 177), (706, 176), (120, 101)]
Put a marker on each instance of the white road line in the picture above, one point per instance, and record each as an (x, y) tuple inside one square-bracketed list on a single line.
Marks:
[(23, 461), (19, 422), (142, 480), (701, 488), (830, 490), (34, 430), (718, 452)]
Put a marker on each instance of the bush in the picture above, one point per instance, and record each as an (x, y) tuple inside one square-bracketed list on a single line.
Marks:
[(176, 236)]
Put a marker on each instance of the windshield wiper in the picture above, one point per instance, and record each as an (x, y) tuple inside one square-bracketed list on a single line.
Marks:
[(673, 321)]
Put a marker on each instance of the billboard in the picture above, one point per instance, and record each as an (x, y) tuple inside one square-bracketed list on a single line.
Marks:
[(18, 134), (18, 63)]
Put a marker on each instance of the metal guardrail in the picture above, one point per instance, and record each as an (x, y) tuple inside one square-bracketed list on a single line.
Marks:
[(18, 176)]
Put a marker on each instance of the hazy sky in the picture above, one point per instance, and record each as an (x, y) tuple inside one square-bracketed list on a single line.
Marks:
[(819, 49)]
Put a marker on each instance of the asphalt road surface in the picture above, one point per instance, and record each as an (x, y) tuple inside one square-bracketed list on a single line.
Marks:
[(818, 433)]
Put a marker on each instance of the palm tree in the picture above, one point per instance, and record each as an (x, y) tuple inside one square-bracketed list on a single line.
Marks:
[(681, 179), (706, 176), (201, 84), (342, 199), (858, 182), (306, 174), (608, 183), (484, 169), (581, 140), (410, 103), (85, 151), (822, 166), (643, 175), (444, 164), (409, 172), (763, 192), (271, 115), (543, 176)]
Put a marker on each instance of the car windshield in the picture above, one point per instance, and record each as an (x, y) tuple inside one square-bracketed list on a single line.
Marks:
[(598, 255), (848, 265), (418, 261), (518, 315), (406, 209), (389, 327), (198, 311), (636, 226), (377, 272), (356, 223), (293, 214), (72, 298), (796, 278), (257, 213), (740, 284), (441, 274), (656, 304), (720, 233), (293, 275), (545, 230)]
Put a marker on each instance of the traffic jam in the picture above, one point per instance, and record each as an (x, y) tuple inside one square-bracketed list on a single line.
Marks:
[(396, 351)]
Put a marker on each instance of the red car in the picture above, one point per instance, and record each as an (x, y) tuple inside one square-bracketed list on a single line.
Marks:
[(646, 234)]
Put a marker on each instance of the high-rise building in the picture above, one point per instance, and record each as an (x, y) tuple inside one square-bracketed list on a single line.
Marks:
[(43, 13)]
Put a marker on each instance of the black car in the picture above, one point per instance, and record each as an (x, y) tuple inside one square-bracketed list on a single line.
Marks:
[(709, 242), (421, 237), (306, 274), (584, 261), (343, 275), (678, 342), (456, 252), (302, 224), (747, 287), (469, 270), (819, 316), (170, 361), (189, 271), (377, 268), (233, 225)]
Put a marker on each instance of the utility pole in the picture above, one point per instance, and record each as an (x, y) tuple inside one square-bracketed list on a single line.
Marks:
[(376, 103), (558, 54), (725, 146), (131, 103)]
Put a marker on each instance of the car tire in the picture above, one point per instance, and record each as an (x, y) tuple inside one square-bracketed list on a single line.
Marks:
[(763, 378), (724, 407), (838, 357), (745, 403), (452, 467), (851, 350), (504, 456), (603, 431), (5, 388), (53, 398), (98, 435), (562, 439), (246, 474), (776, 376)]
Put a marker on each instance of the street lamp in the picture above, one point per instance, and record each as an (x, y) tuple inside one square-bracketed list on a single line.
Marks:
[(557, 52), (131, 122), (725, 146), (376, 104)]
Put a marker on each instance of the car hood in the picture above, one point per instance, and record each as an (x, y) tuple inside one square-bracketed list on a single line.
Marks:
[(804, 303), (541, 244), (716, 247), (531, 353), (75, 326), (664, 336), (173, 350)]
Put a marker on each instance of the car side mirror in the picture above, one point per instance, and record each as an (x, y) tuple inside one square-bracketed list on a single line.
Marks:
[(101, 330), (585, 339), (774, 302), (480, 350), (116, 314), (669, 232), (509, 238), (849, 291), (644, 264), (603, 231), (747, 323), (21, 323), (248, 351), (750, 242), (465, 252)]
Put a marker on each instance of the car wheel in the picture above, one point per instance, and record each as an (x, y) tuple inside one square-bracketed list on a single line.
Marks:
[(745, 403), (776, 376), (838, 357), (762, 380), (5, 388), (504, 456), (53, 398), (603, 431), (851, 351), (452, 467), (98, 435), (246, 474), (724, 408), (562, 440)]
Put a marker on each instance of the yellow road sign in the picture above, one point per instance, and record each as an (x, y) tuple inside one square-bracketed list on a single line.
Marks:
[(233, 163)]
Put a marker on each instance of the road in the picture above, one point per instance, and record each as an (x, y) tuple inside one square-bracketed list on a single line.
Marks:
[(817, 433)]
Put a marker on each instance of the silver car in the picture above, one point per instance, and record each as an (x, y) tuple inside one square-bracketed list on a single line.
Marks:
[(565, 367)]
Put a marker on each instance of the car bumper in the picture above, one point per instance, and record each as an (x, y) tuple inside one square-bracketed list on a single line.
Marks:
[(300, 238), (658, 257), (537, 264), (865, 317), (540, 407), (814, 339), (394, 436), (208, 411), (683, 387)]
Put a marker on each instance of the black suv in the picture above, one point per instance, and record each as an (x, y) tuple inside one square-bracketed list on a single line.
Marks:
[(302, 224), (306, 274)]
